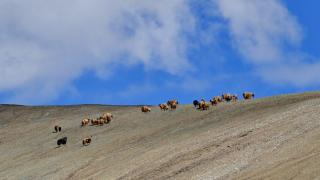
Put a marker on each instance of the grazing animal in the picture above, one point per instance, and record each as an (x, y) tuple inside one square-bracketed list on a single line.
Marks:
[(234, 97), (107, 117), (196, 103), (85, 122), (94, 122), (57, 128), (86, 141), (227, 97), (98, 121), (203, 105), (206, 106), (203, 101), (216, 100), (163, 107), (248, 95), (62, 141), (170, 102), (173, 104), (145, 109)]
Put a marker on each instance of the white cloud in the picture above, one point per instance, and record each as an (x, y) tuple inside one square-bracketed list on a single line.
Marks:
[(260, 29), (299, 74), (44, 45), (268, 36)]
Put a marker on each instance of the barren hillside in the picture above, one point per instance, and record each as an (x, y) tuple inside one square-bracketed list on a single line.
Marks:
[(271, 138)]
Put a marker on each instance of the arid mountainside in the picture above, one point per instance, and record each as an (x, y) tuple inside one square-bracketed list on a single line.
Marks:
[(269, 138)]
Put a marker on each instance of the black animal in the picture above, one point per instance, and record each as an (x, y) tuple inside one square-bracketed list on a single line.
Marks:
[(62, 141), (195, 103), (57, 128)]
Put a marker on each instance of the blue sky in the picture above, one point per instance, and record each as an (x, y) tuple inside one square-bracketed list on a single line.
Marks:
[(143, 52)]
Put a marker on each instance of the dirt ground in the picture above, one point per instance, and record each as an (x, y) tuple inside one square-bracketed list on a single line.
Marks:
[(270, 138)]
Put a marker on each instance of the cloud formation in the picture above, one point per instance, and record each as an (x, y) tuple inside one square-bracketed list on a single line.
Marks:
[(268, 36), (260, 29), (44, 45)]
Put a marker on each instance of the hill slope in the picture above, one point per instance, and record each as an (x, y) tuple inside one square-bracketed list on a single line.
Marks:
[(275, 138)]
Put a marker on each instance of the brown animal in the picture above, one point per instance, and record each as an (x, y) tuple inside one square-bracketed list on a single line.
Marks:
[(170, 102), (216, 100), (145, 109), (97, 122), (248, 95), (203, 101), (229, 97), (203, 105), (107, 117), (57, 128), (94, 122), (173, 104), (100, 122), (163, 107), (219, 99), (213, 102), (85, 122), (86, 141), (234, 97)]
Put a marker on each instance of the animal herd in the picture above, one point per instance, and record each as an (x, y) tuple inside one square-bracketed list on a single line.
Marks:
[(171, 104), (104, 119), (202, 104)]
